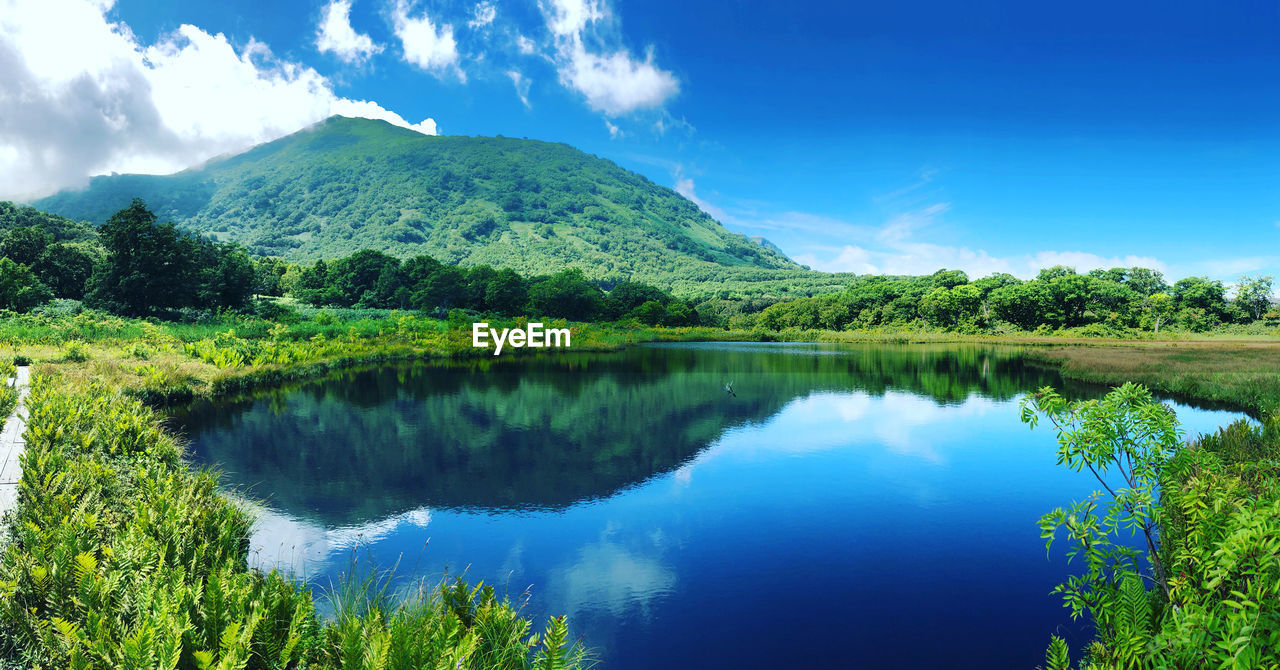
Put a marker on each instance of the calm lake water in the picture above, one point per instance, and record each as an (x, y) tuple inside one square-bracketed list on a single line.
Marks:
[(852, 507)]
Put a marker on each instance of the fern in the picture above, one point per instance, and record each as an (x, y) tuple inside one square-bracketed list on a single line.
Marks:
[(1057, 657), (552, 655)]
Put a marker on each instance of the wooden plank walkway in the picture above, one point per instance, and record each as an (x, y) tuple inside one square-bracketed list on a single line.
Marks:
[(12, 445)]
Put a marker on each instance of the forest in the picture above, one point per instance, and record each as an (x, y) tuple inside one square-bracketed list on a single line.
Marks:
[(133, 265), (140, 267), (1101, 302)]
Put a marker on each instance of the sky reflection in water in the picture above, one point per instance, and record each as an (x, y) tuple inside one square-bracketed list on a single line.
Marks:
[(847, 505)]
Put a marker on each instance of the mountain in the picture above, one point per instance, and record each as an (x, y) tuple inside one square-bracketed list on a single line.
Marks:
[(348, 184), (62, 229)]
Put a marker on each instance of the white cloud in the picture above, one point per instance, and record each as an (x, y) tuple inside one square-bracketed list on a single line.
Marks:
[(525, 45), (113, 104), (616, 83), (365, 109), (484, 14), (892, 251), (522, 86), (685, 186), (425, 45), (568, 18), (611, 79), (335, 35), (1230, 267)]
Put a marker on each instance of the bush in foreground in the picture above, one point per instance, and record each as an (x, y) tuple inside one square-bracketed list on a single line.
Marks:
[(1209, 513)]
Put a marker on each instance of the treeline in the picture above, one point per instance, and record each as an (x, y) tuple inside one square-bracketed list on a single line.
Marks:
[(1059, 297), (373, 279), (134, 266)]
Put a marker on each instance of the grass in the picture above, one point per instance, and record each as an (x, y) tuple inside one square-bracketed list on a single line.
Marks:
[(1241, 374), (121, 556)]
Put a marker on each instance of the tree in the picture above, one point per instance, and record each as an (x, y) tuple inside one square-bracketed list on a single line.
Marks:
[(1069, 296), (147, 271), (20, 290), (223, 274), (1201, 293), (1124, 440), (1159, 307), (948, 306), (566, 294), (628, 295), (65, 269), (25, 245), (1112, 301), (650, 313), (356, 277), (1253, 295), (507, 292), (949, 278), (1146, 282), (1024, 305), (268, 276)]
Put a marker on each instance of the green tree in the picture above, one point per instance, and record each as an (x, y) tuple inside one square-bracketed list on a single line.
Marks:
[(1158, 307), (1201, 293), (1253, 295), (25, 245), (627, 295), (1145, 281), (566, 294), (1024, 305), (223, 274), (66, 269), (949, 306), (1124, 440), (20, 290), (652, 313), (1069, 296), (268, 276), (147, 270), (507, 293)]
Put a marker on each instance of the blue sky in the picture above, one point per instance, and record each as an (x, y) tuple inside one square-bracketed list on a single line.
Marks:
[(869, 137)]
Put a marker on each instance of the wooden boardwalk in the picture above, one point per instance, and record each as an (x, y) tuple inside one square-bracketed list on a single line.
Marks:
[(12, 445)]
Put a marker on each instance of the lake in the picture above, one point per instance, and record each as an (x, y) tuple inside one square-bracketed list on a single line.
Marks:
[(844, 506)]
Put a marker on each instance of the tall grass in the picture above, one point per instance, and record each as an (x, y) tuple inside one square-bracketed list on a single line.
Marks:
[(121, 556)]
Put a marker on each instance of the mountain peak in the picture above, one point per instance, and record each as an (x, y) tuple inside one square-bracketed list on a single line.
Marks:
[(350, 183)]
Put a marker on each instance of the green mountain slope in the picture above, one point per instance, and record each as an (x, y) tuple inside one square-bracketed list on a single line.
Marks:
[(348, 184), (62, 229)]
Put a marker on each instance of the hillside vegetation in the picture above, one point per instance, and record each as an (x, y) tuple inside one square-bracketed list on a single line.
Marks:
[(351, 184)]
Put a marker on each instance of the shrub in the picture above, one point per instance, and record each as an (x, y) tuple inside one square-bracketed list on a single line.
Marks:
[(76, 352)]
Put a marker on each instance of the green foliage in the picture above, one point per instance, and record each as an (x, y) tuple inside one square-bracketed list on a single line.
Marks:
[(67, 268), (1253, 295), (20, 289), (76, 352), (25, 245), (1215, 549), (1102, 303), (1058, 657), (153, 269), (61, 229), (122, 557), (371, 279)]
